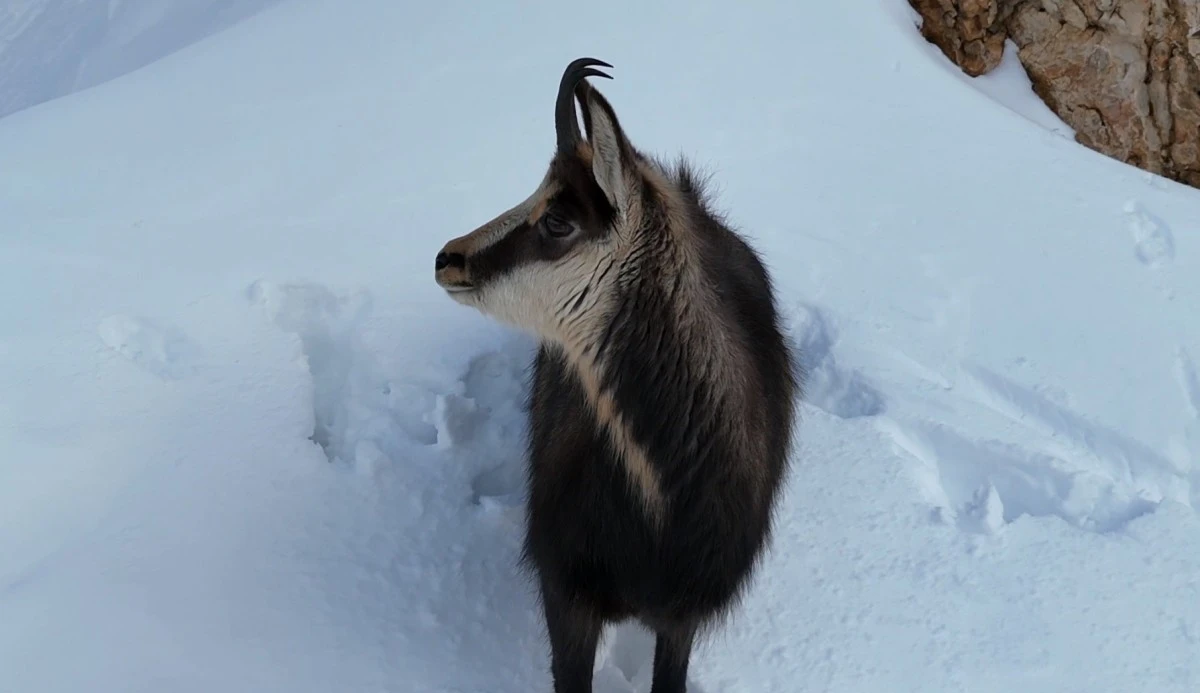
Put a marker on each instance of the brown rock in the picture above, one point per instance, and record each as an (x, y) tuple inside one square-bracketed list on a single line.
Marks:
[(967, 31), (1125, 74)]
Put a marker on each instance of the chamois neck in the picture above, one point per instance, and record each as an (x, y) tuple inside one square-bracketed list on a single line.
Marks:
[(669, 324)]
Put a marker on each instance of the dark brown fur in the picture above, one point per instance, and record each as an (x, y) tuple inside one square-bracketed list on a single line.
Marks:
[(685, 367)]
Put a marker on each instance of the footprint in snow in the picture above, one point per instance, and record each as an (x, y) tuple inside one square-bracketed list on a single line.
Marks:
[(484, 422), (840, 391), (1153, 242), (1085, 473), (984, 485), (360, 417), (155, 347), (325, 324)]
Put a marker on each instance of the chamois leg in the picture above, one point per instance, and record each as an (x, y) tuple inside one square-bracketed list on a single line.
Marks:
[(672, 650), (574, 635)]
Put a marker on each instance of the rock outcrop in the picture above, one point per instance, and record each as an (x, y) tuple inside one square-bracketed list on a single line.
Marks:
[(1125, 74), (969, 32)]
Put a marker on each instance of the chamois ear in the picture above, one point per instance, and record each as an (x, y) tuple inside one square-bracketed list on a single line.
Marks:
[(612, 155)]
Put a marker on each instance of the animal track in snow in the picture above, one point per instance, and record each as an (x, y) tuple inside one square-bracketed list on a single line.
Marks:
[(988, 483), (1085, 473), (1123, 457), (1154, 244), (360, 418), (485, 422), (839, 391), (155, 347)]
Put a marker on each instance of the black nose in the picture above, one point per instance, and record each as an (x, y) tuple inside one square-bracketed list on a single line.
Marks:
[(444, 260)]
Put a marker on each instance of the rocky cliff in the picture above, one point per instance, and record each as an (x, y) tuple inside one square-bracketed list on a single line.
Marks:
[(1125, 74)]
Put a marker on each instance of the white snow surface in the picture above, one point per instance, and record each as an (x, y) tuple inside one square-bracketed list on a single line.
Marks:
[(247, 444), (50, 48), (1009, 84)]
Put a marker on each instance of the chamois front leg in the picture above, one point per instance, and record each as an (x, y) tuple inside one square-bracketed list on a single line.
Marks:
[(672, 651), (574, 631)]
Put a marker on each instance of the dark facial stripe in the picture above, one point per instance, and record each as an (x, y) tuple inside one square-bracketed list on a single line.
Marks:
[(515, 248)]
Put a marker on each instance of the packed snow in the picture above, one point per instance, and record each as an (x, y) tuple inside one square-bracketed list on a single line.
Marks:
[(247, 444)]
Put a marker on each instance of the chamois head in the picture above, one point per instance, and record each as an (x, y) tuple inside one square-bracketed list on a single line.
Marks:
[(545, 263)]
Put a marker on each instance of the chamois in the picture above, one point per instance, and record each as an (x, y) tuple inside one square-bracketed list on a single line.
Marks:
[(662, 398)]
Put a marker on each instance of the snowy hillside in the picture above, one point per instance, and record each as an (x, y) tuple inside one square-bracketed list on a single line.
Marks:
[(247, 444), (49, 48)]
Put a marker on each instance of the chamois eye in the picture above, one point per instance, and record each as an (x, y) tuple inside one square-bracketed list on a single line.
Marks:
[(556, 226)]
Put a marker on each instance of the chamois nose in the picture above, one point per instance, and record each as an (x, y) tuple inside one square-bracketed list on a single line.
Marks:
[(444, 260)]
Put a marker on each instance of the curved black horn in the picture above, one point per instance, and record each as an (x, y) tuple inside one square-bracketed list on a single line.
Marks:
[(565, 123)]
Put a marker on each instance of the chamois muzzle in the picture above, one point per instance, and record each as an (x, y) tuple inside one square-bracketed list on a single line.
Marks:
[(450, 267)]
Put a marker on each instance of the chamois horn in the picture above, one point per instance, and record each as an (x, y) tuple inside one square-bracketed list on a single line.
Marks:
[(565, 123)]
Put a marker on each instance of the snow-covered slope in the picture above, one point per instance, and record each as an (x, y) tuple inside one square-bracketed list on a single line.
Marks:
[(49, 48), (211, 260)]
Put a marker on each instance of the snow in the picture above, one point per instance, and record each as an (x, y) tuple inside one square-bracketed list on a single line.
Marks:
[(50, 48), (1009, 85), (246, 444)]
